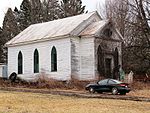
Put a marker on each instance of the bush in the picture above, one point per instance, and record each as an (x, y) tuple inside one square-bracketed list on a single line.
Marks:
[(43, 82), (137, 85)]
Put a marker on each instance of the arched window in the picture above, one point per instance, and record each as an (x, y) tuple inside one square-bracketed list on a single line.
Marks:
[(116, 64), (100, 60), (36, 61), (116, 57), (20, 63), (53, 59)]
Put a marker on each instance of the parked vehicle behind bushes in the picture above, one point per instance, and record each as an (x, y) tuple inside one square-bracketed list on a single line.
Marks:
[(109, 85)]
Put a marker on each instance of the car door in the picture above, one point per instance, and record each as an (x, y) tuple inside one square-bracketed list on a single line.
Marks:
[(103, 85), (110, 84)]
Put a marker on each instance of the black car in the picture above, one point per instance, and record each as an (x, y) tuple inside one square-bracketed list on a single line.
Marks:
[(109, 85)]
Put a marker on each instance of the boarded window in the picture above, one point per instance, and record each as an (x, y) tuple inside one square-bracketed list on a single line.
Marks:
[(20, 63), (53, 59), (36, 61)]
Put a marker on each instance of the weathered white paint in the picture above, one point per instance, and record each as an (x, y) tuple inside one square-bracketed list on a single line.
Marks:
[(75, 57), (1, 70), (44, 49), (76, 40), (87, 59), (82, 58)]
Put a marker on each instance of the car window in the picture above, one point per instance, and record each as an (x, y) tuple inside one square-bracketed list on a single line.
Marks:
[(103, 82), (117, 82), (112, 81)]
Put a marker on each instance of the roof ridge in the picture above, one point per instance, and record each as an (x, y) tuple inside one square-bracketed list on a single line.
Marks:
[(64, 18), (51, 29), (83, 22)]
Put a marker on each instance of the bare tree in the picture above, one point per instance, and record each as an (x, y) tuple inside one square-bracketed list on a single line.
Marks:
[(132, 19), (141, 34)]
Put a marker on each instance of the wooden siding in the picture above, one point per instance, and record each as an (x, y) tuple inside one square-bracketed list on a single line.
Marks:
[(87, 59), (1, 71), (44, 49), (75, 57), (82, 58)]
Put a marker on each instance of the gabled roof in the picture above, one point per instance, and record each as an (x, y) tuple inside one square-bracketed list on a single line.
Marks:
[(80, 25), (94, 27), (51, 29)]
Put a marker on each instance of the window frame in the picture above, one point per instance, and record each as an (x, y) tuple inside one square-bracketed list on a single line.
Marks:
[(20, 63), (53, 59), (36, 61)]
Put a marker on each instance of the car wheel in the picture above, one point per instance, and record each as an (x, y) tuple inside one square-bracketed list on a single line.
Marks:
[(91, 90), (114, 91)]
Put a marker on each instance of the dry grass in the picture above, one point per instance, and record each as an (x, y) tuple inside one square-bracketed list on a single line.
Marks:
[(136, 85), (46, 83), (15, 102), (140, 93), (139, 89)]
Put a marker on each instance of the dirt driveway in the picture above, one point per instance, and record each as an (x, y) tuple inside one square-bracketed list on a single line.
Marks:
[(143, 95)]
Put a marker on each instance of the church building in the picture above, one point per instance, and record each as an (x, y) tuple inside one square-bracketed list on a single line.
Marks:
[(84, 47)]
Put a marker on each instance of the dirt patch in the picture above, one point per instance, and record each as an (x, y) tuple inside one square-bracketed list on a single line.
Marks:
[(80, 94)]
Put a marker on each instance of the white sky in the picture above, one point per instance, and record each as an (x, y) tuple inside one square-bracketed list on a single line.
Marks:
[(5, 4)]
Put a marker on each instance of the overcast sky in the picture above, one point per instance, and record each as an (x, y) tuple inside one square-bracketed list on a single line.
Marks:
[(91, 5)]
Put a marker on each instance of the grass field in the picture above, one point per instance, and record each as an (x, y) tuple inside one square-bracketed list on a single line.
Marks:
[(19, 102)]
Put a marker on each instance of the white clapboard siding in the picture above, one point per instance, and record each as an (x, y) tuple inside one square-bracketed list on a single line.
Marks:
[(44, 49), (76, 40), (75, 57), (87, 59), (82, 58), (1, 70)]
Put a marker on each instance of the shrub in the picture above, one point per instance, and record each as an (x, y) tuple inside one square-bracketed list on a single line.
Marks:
[(137, 85)]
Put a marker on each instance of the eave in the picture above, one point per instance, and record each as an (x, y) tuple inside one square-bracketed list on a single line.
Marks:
[(37, 41)]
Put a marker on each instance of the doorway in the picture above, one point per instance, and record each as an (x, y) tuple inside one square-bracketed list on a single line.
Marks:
[(108, 67), (100, 61), (116, 64)]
